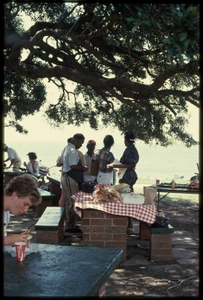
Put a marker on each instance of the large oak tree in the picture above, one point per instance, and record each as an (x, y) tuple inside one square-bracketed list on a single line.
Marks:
[(136, 66)]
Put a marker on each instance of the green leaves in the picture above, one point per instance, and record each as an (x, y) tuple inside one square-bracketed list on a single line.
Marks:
[(134, 65)]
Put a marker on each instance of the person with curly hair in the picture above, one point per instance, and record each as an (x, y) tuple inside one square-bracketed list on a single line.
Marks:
[(19, 194), (33, 165)]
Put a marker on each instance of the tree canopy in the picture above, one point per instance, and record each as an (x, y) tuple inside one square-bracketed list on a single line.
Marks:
[(135, 65)]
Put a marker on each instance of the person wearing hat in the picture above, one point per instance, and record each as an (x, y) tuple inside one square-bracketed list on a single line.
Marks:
[(33, 165), (129, 161), (89, 158), (15, 160)]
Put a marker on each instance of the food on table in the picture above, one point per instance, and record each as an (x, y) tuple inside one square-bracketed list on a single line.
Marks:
[(105, 193), (120, 186)]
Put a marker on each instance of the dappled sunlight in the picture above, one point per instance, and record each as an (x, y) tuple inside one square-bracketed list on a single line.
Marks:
[(155, 280)]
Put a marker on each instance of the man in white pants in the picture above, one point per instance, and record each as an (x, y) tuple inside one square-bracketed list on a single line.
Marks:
[(15, 160)]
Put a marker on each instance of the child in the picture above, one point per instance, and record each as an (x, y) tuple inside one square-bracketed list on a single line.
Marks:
[(20, 193)]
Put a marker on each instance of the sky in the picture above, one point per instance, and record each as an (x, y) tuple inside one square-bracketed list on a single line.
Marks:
[(40, 130)]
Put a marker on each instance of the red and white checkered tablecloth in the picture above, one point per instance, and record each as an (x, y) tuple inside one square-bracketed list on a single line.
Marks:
[(145, 213)]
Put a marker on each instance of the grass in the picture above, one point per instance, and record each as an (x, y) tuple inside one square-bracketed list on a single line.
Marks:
[(184, 199)]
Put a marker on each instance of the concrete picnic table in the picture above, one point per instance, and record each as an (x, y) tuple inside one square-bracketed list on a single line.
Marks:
[(63, 271)]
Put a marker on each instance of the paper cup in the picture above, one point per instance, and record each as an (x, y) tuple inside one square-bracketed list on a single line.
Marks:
[(20, 251)]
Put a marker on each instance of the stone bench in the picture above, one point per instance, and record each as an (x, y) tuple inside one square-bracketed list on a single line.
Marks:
[(48, 199), (49, 228), (160, 248), (55, 187)]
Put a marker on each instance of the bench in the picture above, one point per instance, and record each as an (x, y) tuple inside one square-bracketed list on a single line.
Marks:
[(160, 238), (49, 228), (48, 199), (55, 185)]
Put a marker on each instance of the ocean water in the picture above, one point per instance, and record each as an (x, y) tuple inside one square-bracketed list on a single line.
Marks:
[(155, 162)]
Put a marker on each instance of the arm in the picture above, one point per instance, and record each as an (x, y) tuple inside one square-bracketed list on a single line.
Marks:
[(59, 162), (12, 161), (124, 166), (14, 238), (25, 165), (79, 168)]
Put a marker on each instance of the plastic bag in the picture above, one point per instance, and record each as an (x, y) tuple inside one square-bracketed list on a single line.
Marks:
[(161, 221), (121, 173)]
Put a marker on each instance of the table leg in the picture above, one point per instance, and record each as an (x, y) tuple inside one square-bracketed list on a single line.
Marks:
[(159, 199)]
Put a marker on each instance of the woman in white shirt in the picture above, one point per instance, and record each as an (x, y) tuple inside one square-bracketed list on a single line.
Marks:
[(33, 165)]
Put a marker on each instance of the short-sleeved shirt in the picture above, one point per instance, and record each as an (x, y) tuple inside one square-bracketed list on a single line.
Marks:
[(30, 168), (105, 157), (12, 154), (69, 157), (6, 220), (130, 156)]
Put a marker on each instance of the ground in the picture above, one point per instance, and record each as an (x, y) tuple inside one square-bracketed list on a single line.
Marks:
[(142, 277), (161, 279)]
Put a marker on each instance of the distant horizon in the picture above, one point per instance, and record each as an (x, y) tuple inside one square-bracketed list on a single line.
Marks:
[(155, 161)]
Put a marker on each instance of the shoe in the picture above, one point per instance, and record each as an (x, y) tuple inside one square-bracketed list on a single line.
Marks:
[(130, 230)]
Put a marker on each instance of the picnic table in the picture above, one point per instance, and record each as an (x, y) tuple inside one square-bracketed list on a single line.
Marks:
[(60, 271), (145, 213), (105, 223), (166, 189)]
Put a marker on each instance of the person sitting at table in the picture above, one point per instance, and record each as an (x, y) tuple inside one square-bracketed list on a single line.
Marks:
[(15, 160), (33, 165), (129, 161), (105, 157), (19, 194), (89, 157), (72, 178)]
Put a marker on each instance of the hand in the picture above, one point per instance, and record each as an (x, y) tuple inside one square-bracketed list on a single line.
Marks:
[(24, 164), (14, 238), (84, 168)]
